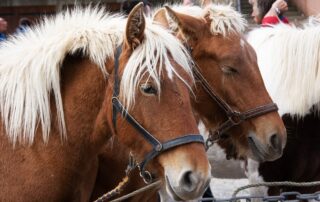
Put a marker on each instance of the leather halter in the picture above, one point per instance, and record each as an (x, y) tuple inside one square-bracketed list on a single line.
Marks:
[(234, 117), (157, 146)]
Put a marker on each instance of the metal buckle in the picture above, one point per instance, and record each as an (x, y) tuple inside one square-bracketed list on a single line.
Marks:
[(209, 144), (235, 118), (212, 139), (158, 148)]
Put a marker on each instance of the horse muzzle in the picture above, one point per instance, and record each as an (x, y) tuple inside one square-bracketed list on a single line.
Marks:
[(190, 185), (269, 151)]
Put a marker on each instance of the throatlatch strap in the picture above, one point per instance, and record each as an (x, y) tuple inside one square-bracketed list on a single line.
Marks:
[(116, 85)]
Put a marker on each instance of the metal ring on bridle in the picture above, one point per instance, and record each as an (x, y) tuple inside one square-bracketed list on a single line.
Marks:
[(146, 176)]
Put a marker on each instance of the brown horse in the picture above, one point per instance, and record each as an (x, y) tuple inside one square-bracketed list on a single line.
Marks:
[(228, 64), (57, 83)]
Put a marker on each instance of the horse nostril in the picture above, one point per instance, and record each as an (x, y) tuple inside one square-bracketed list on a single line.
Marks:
[(275, 142), (250, 139), (188, 181), (187, 178)]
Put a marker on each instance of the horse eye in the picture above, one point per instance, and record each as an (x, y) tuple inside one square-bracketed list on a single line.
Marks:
[(148, 89), (229, 70)]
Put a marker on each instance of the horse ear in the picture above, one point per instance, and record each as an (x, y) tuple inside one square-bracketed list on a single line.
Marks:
[(161, 18), (189, 25), (135, 26)]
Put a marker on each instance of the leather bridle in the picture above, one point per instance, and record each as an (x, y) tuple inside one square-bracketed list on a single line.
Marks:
[(234, 117), (158, 147)]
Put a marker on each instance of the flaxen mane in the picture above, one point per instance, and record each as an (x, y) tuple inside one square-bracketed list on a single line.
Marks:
[(30, 65), (224, 18), (289, 58)]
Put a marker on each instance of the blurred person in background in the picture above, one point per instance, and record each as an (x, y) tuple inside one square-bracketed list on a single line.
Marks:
[(3, 29), (269, 12), (24, 24)]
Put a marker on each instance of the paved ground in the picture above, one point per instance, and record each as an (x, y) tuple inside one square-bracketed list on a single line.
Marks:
[(224, 188)]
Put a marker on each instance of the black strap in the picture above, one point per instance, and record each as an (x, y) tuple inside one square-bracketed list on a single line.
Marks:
[(171, 144), (125, 114), (157, 146), (116, 85), (234, 117)]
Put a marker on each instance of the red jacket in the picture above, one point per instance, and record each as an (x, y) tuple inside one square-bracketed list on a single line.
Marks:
[(272, 20)]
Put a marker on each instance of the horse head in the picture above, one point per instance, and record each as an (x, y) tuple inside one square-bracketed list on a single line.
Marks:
[(151, 110), (231, 98)]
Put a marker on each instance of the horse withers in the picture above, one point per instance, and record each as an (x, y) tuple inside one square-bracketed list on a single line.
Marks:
[(75, 80)]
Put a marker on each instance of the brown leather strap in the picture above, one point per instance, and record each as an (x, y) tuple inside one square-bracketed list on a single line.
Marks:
[(234, 117), (237, 118)]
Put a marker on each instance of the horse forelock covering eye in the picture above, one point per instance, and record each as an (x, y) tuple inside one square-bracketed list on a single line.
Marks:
[(154, 80)]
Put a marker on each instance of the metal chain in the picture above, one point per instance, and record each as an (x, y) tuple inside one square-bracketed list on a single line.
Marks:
[(294, 196), (284, 196), (273, 184)]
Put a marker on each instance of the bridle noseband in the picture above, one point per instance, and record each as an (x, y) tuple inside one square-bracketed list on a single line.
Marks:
[(234, 117), (157, 146)]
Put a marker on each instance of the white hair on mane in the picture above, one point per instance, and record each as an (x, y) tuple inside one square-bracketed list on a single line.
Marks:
[(30, 65), (289, 60), (225, 20), (151, 57), (192, 10), (312, 21)]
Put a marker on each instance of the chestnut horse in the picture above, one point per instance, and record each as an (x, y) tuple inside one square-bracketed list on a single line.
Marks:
[(228, 65), (292, 77), (61, 86)]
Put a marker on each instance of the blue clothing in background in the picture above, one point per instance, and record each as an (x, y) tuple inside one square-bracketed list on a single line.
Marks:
[(3, 37)]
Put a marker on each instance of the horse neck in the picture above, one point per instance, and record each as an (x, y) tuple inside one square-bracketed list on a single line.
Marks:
[(83, 89)]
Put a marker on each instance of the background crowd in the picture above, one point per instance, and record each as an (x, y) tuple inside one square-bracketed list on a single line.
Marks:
[(264, 13)]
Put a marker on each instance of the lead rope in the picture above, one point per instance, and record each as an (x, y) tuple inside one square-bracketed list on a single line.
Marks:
[(155, 184), (132, 164), (122, 184)]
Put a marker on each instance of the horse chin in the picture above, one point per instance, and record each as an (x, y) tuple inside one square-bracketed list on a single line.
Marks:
[(178, 194), (171, 191), (261, 154)]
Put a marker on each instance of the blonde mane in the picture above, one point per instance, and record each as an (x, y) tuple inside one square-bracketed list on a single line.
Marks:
[(30, 65), (224, 18), (289, 58), (159, 46)]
